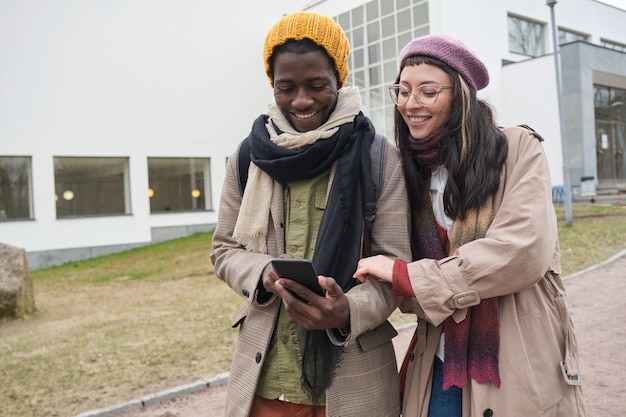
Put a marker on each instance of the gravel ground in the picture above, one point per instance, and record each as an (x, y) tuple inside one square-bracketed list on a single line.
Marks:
[(595, 298)]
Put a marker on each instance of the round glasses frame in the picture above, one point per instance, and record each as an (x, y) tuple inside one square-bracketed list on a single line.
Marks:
[(426, 95)]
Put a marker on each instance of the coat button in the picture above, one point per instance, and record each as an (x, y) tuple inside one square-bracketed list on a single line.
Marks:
[(245, 293), (488, 413), (258, 357)]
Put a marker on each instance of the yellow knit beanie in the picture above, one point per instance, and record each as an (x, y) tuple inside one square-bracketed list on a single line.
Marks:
[(310, 25)]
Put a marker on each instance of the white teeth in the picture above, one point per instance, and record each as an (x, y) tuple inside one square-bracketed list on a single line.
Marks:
[(418, 119), (305, 115)]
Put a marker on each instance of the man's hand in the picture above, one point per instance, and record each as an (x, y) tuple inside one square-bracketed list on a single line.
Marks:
[(270, 276), (311, 311)]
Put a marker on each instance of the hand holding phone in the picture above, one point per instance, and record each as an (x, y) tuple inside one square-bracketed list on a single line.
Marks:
[(299, 270)]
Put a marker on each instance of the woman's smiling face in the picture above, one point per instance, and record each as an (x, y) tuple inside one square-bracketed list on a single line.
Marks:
[(424, 120), (305, 88)]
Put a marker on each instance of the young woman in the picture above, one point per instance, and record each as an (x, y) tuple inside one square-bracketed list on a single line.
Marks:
[(494, 337)]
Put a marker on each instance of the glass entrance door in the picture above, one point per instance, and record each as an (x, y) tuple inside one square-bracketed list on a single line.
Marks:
[(610, 112), (610, 144)]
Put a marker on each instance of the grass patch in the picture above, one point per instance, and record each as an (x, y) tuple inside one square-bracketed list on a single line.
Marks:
[(118, 327), (597, 232), (115, 328)]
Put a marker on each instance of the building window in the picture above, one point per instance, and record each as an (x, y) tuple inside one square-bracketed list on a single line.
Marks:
[(87, 186), (567, 36), (613, 45), (526, 36), (16, 200), (179, 184), (377, 31), (610, 104)]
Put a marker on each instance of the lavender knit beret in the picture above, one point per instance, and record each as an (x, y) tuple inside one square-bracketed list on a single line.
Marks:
[(452, 52)]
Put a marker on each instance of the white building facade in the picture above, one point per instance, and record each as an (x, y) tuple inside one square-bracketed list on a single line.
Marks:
[(117, 116)]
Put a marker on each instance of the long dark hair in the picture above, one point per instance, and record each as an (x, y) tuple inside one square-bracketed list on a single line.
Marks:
[(474, 149)]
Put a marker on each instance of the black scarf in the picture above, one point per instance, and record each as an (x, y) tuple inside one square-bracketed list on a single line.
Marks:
[(338, 246)]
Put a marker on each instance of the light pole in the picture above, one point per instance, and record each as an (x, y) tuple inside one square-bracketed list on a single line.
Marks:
[(567, 192)]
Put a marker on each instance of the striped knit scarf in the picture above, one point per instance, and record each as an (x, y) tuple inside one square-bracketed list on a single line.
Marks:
[(472, 345)]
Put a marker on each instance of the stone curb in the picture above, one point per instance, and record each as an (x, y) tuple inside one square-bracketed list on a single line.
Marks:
[(158, 397)]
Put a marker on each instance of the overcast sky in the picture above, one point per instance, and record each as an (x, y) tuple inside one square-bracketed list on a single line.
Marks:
[(617, 3)]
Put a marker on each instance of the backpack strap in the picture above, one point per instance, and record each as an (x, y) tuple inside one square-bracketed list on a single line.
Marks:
[(243, 163), (378, 153)]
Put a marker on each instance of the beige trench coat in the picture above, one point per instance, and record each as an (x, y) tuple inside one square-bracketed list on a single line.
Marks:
[(518, 261), (366, 383)]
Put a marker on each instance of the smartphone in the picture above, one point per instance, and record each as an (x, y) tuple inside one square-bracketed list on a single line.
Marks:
[(299, 270)]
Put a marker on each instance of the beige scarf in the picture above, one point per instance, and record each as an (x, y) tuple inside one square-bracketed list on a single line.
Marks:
[(251, 227)]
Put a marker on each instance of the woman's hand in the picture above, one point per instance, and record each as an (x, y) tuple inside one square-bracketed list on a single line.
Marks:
[(379, 267)]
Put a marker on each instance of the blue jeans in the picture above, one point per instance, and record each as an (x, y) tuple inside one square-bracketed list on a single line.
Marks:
[(447, 403)]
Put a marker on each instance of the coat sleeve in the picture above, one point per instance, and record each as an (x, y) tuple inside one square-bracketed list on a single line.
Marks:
[(517, 250), (372, 302), (239, 268)]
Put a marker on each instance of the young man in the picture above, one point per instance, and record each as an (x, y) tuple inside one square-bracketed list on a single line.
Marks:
[(310, 174)]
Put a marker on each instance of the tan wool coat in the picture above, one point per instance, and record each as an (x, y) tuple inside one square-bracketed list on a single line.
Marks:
[(518, 261), (366, 381)]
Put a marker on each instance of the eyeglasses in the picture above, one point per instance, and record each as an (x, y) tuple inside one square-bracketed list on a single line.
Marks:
[(426, 95)]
